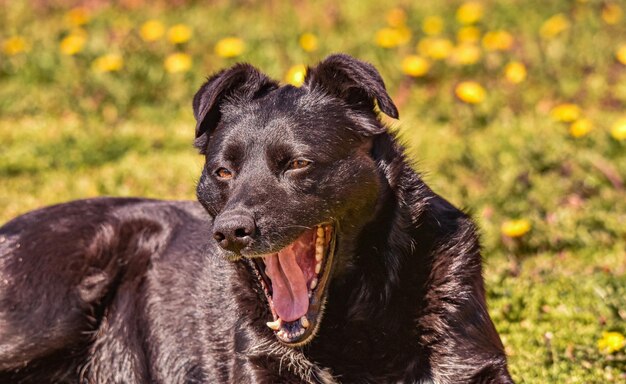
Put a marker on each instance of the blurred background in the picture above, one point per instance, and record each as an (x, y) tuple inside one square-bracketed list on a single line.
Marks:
[(513, 110)]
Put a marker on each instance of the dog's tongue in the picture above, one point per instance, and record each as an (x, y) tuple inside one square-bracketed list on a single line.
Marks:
[(289, 289)]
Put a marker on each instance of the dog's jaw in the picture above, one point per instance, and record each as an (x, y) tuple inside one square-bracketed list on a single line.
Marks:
[(302, 329)]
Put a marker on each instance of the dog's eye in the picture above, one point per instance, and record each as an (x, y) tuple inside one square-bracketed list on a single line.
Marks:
[(224, 173), (299, 164)]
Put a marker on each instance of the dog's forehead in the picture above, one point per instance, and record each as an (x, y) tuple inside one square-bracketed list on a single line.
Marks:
[(290, 114)]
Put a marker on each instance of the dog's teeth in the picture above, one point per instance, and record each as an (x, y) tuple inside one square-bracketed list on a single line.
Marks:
[(313, 283), (318, 268), (275, 325), (319, 252), (304, 322), (320, 232)]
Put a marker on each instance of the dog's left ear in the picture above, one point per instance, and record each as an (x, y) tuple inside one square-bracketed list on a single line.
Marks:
[(241, 81), (356, 82)]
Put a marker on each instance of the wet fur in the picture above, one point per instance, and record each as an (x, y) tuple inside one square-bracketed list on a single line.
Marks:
[(136, 291)]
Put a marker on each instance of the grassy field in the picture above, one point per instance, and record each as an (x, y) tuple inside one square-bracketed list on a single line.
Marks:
[(515, 110)]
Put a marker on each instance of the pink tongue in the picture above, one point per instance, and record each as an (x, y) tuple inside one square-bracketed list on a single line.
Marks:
[(289, 290)]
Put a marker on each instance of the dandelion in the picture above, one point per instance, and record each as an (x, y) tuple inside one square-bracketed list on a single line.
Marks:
[(470, 92), (73, 43), (566, 112), (515, 228), (392, 37), (396, 17), (230, 47), (432, 25), (436, 48), (77, 17), (612, 13), (179, 34), (618, 130), (580, 128), (308, 42), (621, 54), (469, 12), (611, 342), (152, 30), (415, 66), (498, 40), (296, 75), (108, 63), (177, 62), (468, 35), (515, 72), (465, 54), (14, 45), (554, 26)]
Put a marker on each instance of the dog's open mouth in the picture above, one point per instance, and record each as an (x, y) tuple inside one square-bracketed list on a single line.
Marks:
[(294, 281)]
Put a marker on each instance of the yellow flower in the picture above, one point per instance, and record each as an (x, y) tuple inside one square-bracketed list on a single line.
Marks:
[(515, 228), (432, 25), (77, 17), (396, 17), (618, 130), (108, 63), (469, 12), (465, 54), (152, 30), (392, 37), (230, 47), (468, 35), (621, 54), (295, 75), (73, 43), (308, 42), (179, 33), (498, 41), (554, 26), (470, 92), (177, 62), (611, 342), (566, 112), (14, 45), (612, 13), (580, 128), (515, 72), (415, 66), (436, 48)]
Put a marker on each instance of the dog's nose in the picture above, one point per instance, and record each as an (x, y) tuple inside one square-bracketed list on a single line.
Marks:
[(234, 232)]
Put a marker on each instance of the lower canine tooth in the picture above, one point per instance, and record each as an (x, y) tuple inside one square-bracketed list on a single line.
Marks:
[(275, 325), (304, 322)]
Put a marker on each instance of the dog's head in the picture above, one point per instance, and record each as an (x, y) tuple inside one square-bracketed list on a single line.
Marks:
[(289, 177)]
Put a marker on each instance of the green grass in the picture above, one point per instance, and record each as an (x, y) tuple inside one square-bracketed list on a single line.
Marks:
[(67, 132)]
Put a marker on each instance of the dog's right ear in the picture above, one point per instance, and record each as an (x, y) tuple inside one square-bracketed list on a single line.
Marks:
[(355, 82), (242, 81)]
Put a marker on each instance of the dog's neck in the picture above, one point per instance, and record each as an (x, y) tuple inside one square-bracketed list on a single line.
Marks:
[(375, 297), (388, 243)]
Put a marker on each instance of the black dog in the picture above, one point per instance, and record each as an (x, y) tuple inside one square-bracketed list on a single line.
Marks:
[(323, 258)]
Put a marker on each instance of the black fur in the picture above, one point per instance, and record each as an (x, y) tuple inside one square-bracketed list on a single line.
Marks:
[(138, 291)]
